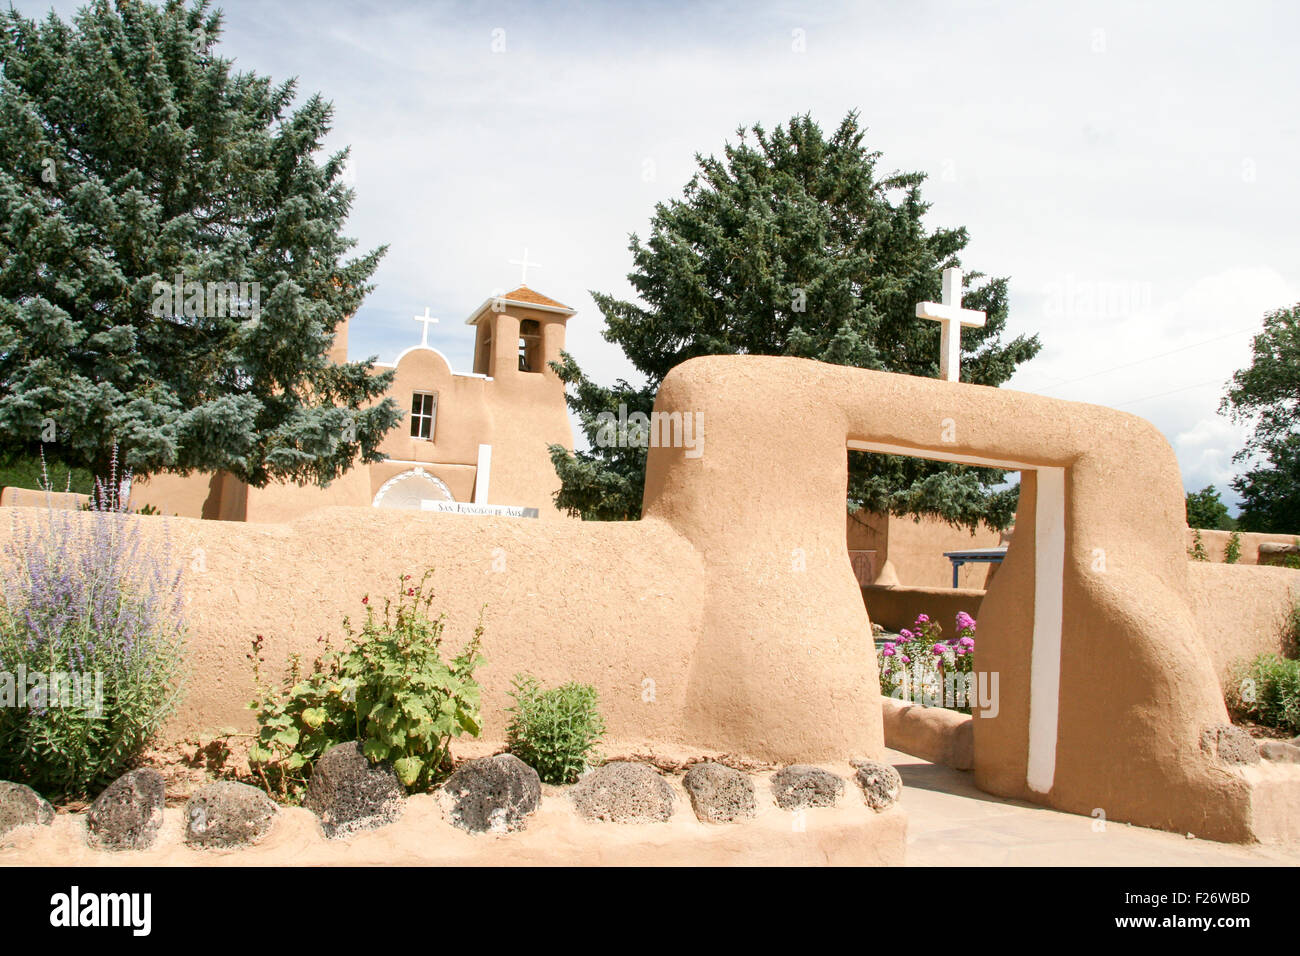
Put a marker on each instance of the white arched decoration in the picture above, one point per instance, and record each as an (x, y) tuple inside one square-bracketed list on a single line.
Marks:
[(410, 488)]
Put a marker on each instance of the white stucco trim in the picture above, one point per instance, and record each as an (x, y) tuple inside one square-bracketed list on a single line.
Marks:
[(416, 472), (1045, 658), (1049, 599), (883, 448), (473, 316), (430, 348)]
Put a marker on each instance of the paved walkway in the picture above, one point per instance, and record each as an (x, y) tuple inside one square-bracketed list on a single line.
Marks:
[(952, 823)]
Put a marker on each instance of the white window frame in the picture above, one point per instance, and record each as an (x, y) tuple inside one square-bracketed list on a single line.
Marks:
[(420, 417)]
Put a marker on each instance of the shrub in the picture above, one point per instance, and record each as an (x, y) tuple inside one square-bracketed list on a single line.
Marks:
[(1267, 690), (1291, 634), (554, 731), (389, 688), (1232, 553), (923, 667), (91, 646), (1197, 551)]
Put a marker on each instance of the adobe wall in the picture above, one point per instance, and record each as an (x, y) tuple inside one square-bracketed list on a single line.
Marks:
[(895, 608), (11, 497), (731, 621), (915, 547), (1216, 543), (1241, 611), (617, 605), (1105, 684)]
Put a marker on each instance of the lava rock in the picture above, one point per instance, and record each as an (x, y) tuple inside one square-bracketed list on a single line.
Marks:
[(350, 794), (720, 794), (881, 784), (624, 792), (227, 814), (1230, 744), (129, 813), (1279, 751), (491, 795), (21, 806), (800, 785)]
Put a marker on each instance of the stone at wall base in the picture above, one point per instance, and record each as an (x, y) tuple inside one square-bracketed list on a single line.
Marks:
[(350, 794), (127, 815), (1279, 751), (226, 815), (21, 806)]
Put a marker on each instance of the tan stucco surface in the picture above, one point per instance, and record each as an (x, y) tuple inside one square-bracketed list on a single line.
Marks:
[(898, 607), (1241, 611), (1216, 543), (1137, 687), (618, 605), (11, 497), (935, 734), (734, 598), (916, 548)]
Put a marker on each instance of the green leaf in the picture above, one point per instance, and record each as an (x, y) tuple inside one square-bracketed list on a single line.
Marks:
[(408, 770), (468, 723)]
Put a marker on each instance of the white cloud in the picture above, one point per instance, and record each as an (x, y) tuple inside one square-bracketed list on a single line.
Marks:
[(1141, 147)]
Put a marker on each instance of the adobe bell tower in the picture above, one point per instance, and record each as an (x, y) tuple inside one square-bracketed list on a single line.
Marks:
[(519, 333)]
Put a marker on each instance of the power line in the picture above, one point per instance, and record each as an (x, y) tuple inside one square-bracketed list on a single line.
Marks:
[(1149, 358), (1185, 388)]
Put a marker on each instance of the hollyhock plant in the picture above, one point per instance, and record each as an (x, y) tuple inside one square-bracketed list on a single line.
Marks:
[(939, 661)]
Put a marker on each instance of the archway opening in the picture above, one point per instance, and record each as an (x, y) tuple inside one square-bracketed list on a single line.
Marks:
[(410, 489)]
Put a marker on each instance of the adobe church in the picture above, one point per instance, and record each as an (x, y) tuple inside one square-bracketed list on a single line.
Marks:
[(470, 441)]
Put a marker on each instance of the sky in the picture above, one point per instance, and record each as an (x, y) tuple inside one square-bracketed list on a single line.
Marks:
[(1131, 168)]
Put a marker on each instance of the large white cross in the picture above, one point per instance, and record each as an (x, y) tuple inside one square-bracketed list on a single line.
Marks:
[(524, 264), (428, 320), (953, 317)]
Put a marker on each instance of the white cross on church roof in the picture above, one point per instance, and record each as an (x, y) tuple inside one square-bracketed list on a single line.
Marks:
[(428, 320), (953, 317)]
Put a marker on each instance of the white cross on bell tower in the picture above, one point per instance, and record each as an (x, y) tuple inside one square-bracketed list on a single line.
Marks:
[(953, 317), (428, 320), (524, 264)]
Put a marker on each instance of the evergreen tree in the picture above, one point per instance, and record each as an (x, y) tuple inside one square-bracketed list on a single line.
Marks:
[(131, 155), (792, 244), (1267, 393), (1205, 509)]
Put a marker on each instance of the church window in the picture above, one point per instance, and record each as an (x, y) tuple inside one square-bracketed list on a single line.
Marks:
[(424, 414)]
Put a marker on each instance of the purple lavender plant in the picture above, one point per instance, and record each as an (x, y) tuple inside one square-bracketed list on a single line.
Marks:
[(83, 595)]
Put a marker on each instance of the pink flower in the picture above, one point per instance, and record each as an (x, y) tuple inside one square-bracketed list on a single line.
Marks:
[(906, 635), (937, 649), (904, 658), (923, 619), (889, 650), (967, 642)]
